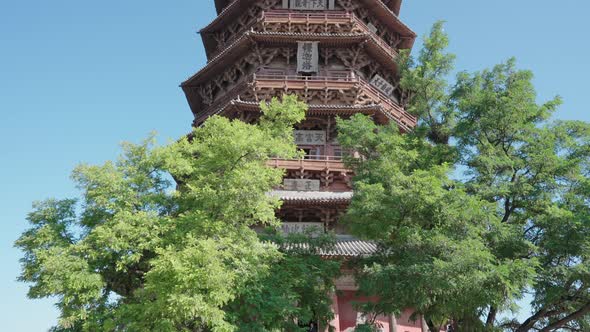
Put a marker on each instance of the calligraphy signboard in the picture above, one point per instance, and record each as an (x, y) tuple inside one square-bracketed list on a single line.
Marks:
[(301, 185), (382, 85), (301, 227), (372, 27), (309, 137), (309, 4), (307, 57)]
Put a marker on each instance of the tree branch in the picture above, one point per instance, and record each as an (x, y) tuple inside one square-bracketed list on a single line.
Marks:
[(573, 316)]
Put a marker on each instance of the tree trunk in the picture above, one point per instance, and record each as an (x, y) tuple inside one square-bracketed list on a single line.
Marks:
[(424, 325), (491, 317), (529, 323)]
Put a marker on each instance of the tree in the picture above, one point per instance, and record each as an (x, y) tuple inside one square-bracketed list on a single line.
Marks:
[(486, 201), (163, 239)]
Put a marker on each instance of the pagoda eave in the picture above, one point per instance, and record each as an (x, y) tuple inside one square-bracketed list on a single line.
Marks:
[(329, 21), (315, 198), (347, 247), (388, 110), (386, 56), (393, 5), (382, 11), (241, 106)]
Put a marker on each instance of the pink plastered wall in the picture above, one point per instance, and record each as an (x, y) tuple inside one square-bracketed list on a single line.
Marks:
[(406, 324), (346, 316)]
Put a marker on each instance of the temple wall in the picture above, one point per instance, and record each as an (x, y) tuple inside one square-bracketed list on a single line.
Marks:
[(348, 317)]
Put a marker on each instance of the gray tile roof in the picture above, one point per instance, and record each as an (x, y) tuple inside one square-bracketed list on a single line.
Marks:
[(312, 196), (352, 248), (344, 247)]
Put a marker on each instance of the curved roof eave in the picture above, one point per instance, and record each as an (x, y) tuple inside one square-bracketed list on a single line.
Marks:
[(394, 5), (389, 14), (242, 42)]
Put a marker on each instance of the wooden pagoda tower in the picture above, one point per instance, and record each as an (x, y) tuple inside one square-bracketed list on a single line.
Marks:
[(338, 56)]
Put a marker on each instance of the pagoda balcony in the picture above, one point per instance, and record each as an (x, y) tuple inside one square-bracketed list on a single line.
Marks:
[(343, 93), (240, 16), (283, 24), (329, 170), (311, 163)]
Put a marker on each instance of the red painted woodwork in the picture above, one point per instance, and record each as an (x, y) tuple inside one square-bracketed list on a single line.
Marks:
[(252, 57)]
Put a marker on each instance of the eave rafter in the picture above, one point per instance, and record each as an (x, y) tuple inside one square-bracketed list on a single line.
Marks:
[(354, 91), (393, 5), (380, 11), (386, 56)]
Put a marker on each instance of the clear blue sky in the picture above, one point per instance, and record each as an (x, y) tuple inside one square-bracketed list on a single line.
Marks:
[(78, 77)]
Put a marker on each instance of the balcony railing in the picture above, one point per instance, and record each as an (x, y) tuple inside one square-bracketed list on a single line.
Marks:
[(393, 110), (328, 20), (279, 16), (330, 163), (322, 157), (297, 82)]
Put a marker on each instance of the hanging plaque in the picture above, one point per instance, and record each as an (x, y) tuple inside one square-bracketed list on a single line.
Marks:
[(309, 4), (382, 85), (301, 227), (372, 28), (307, 57), (309, 137), (301, 185)]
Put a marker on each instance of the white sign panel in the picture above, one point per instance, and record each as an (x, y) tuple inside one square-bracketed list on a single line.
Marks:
[(301, 185), (307, 57), (301, 227), (372, 27), (309, 137), (382, 85), (309, 4)]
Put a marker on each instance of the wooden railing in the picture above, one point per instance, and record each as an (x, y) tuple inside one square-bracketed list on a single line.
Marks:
[(295, 18), (393, 110), (322, 157), (327, 18), (311, 18), (310, 164)]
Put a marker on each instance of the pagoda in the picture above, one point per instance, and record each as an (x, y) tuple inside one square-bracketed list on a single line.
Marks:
[(338, 56)]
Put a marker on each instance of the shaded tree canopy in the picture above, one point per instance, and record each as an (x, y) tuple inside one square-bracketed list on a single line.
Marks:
[(485, 202), (140, 253)]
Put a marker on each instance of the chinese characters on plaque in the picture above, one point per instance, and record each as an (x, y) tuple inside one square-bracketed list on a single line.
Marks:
[(307, 57), (382, 85), (301, 227), (312, 4), (301, 185), (309, 137)]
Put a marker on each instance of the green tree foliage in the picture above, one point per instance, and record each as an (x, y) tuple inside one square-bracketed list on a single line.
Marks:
[(485, 202), (163, 239)]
